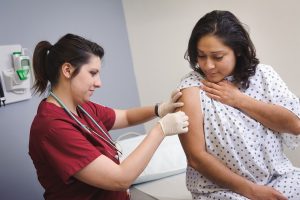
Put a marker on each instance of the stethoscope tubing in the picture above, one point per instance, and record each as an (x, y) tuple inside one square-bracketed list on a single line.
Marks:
[(108, 140)]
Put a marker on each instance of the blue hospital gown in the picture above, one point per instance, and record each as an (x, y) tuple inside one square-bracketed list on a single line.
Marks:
[(243, 144)]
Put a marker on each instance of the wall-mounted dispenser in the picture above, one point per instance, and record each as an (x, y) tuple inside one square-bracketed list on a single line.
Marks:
[(16, 74)]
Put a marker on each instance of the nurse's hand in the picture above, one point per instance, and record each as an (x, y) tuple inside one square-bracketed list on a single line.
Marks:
[(171, 105), (174, 123)]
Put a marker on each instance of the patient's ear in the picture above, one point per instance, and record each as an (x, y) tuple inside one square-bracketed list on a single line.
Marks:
[(67, 70)]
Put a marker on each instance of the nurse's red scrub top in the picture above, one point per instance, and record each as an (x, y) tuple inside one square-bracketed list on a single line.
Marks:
[(59, 147)]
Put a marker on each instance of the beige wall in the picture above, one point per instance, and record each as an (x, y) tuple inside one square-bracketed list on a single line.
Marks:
[(159, 30)]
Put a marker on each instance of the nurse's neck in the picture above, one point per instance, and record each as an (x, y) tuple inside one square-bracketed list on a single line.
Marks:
[(65, 98)]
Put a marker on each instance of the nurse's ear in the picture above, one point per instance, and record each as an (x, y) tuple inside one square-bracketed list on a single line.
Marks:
[(67, 70)]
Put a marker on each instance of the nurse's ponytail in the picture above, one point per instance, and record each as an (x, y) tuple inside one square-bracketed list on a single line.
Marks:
[(40, 66)]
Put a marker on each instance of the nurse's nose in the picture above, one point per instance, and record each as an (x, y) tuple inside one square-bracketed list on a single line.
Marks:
[(98, 83)]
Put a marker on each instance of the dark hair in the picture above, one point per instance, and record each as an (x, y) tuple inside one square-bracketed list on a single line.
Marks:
[(48, 59), (230, 30)]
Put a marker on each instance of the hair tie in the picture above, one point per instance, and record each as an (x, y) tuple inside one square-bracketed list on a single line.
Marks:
[(50, 48)]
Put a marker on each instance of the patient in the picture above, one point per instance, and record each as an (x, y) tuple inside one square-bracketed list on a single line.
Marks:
[(240, 117)]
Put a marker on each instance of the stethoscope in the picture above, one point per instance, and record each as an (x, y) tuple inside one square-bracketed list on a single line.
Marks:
[(89, 130)]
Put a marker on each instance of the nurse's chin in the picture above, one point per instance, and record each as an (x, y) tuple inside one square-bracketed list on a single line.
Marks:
[(85, 100)]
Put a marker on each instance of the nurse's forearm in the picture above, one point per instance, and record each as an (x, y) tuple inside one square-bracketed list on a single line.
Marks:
[(137, 161), (272, 116), (140, 115), (106, 174), (133, 116)]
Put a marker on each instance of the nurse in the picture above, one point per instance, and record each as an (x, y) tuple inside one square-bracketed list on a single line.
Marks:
[(72, 151)]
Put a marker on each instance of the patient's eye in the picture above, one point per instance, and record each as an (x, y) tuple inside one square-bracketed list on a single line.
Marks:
[(201, 56), (218, 58)]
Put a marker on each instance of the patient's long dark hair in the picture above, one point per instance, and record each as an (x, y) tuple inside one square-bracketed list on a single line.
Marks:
[(230, 30)]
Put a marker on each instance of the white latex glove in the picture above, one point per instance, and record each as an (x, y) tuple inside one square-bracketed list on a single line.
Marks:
[(174, 123), (171, 105)]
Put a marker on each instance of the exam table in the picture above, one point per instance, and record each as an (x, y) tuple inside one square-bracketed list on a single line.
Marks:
[(164, 177), (168, 188)]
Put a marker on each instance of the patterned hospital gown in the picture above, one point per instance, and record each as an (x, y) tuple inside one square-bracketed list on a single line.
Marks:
[(244, 145)]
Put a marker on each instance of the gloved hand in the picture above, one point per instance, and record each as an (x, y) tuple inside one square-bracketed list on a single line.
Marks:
[(171, 105), (174, 123)]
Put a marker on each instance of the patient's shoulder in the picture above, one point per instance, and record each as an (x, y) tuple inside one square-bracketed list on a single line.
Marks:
[(192, 79), (191, 98)]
